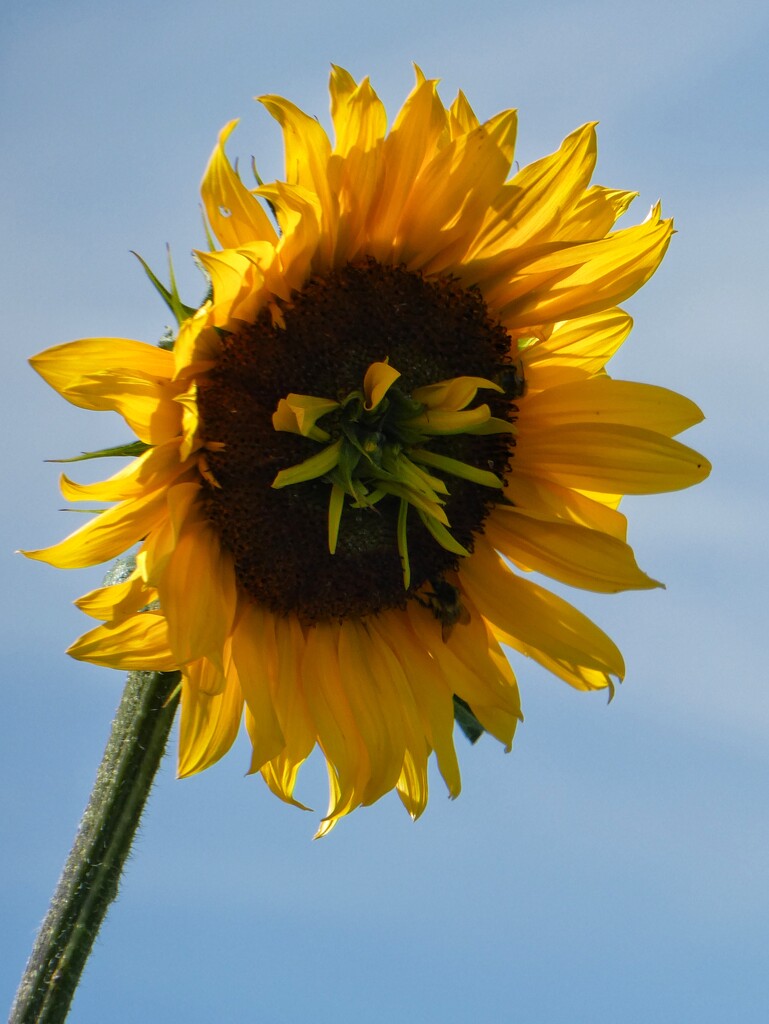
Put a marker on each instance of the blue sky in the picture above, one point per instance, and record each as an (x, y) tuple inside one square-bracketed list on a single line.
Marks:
[(612, 867)]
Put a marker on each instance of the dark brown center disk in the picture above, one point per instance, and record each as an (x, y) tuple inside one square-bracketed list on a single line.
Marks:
[(430, 330)]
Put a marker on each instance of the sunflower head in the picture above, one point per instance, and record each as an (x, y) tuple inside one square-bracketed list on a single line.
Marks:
[(391, 408)]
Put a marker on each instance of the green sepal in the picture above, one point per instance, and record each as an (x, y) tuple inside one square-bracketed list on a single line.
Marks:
[(442, 535), (456, 468), (419, 479), (349, 457), (256, 174), (85, 511), (209, 237), (493, 425), (466, 720), (420, 502), (170, 296), (403, 543), (310, 469), (131, 451), (355, 448), (404, 406), (369, 498), (260, 183), (335, 508)]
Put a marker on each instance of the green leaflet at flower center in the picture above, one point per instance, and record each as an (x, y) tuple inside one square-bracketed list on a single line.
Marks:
[(358, 462)]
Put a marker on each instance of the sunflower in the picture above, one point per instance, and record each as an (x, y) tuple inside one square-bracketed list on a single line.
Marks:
[(390, 409)]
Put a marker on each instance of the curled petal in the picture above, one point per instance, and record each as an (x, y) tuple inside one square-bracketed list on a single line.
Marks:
[(115, 603), (233, 212), (377, 381)]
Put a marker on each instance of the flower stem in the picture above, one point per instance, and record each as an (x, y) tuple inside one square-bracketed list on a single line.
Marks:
[(89, 881)]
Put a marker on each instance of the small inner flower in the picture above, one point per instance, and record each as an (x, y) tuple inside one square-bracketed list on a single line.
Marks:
[(357, 463)]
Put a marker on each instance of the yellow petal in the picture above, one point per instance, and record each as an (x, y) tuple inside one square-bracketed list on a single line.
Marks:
[(191, 439), (471, 644), (452, 195), (280, 775), (155, 468), (360, 120), (209, 723), (146, 403), (337, 731), (106, 536), (412, 784), (299, 251), (307, 153), (559, 281), (197, 344), (153, 556), (611, 458), (234, 214), (475, 680), (251, 653), (413, 140), (565, 551), (360, 124), (116, 602), (594, 214), (553, 500), (62, 366), (533, 620), (285, 640), (432, 692), (136, 643), (374, 706), (530, 206), (576, 349), (197, 593), (306, 144), (298, 414), (229, 273), (207, 678), (462, 118), (438, 421), (603, 400)]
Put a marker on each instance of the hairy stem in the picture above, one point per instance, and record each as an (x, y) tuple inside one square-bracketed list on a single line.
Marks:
[(89, 881)]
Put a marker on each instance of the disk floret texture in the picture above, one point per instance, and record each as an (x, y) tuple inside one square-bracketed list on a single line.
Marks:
[(391, 409)]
